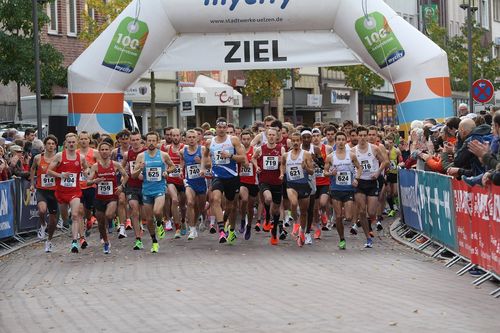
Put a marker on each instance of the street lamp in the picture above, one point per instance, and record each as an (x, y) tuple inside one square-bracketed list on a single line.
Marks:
[(38, 85), (470, 7)]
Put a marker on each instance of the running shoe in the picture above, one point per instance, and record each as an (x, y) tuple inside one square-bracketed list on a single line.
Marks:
[(122, 234), (178, 234), (267, 226), (60, 223), (138, 245), (160, 231), (192, 233), (242, 226), (342, 245), (295, 231), (308, 240), (88, 225), (274, 240), (106, 248), (83, 243), (317, 234), (128, 224), (392, 213), (213, 230), (110, 227), (324, 219), (41, 231), (283, 234), (329, 226), (74, 247), (286, 223), (257, 226), (248, 232), (231, 238), (354, 229), (48, 246), (155, 247), (201, 225), (301, 239), (369, 243), (168, 225), (222, 237), (379, 226)]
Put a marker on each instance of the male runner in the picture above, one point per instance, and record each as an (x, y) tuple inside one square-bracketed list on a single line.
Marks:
[(66, 168), (133, 190), (372, 162), (374, 139), (261, 137), (224, 152), (195, 184), (249, 188), (339, 166), (395, 158), (123, 138), (151, 164), (88, 192), (297, 166), (266, 161), (104, 175), (45, 188)]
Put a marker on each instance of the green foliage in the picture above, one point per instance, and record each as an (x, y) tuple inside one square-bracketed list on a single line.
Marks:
[(106, 11), (360, 78), (17, 56), (265, 84), (483, 65)]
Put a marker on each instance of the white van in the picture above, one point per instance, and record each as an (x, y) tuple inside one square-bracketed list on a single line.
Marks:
[(58, 106)]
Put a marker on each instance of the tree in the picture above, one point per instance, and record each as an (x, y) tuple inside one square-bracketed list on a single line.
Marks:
[(484, 64), (107, 12), (265, 84), (17, 56), (360, 78)]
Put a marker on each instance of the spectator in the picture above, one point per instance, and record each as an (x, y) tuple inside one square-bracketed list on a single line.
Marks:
[(17, 162), (487, 156), (4, 167), (29, 135), (463, 109)]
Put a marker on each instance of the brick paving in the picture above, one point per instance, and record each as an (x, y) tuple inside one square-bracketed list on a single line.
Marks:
[(249, 287)]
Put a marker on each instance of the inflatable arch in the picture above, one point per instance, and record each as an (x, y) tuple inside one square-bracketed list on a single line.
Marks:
[(256, 34)]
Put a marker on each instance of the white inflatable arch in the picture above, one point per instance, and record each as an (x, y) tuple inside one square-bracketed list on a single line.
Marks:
[(256, 34)]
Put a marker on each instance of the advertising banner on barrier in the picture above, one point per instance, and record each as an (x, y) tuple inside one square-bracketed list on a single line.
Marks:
[(480, 225), (28, 211), (409, 198), (495, 229), (463, 210), (7, 208)]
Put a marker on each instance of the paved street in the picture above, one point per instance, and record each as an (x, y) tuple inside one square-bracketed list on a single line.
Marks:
[(250, 287)]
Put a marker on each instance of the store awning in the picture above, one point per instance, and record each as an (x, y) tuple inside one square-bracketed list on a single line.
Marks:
[(210, 92)]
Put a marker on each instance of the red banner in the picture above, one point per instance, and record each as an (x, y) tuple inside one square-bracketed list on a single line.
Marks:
[(463, 210), (481, 200), (495, 229)]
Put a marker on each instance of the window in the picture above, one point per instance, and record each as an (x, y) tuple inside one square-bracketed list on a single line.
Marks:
[(496, 10), (52, 14), (485, 14), (72, 18)]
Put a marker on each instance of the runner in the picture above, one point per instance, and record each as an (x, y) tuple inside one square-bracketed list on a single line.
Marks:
[(224, 152), (261, 137), (266, 161), (330, 136), (151, 164), (395, 158), (375, 139), (45, 189), (104, 175), (339, 166), (66, 168), (133, 190), (249, 188), (297, 165), (372, 162), (195, 184), (175, 184), (167, 209), (123, 223)]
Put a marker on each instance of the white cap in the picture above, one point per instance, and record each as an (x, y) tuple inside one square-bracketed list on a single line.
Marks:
[(469, 116)]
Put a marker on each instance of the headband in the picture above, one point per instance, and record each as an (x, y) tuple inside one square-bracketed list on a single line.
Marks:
[(306, 132)]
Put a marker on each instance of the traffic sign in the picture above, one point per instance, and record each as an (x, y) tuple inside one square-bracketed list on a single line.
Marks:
[(482, 91)]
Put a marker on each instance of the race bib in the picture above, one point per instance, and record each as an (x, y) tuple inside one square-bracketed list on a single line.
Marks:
[(47, 181), (343, 178), (366, 166), (83, 176), (219, 159), (176, 173), (318, 172), (105, 188), (153, 174), (70, 181), (193, 171), (270, 162), (246, 171), (209, 173), (132, 166), (393, 165), (295, 173)]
